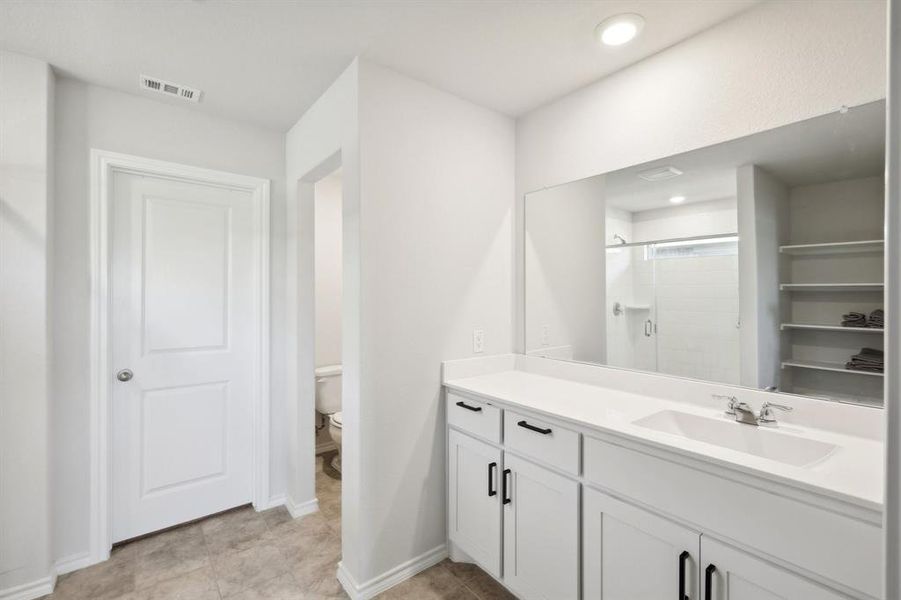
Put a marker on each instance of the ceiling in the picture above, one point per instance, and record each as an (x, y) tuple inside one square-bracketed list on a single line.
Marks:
[(267, 61), (818, 150)]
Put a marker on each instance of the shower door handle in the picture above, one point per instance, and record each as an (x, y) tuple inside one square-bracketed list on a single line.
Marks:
[(648, 328)]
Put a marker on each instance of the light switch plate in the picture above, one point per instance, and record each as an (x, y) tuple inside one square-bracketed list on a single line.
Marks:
[(478, 341)]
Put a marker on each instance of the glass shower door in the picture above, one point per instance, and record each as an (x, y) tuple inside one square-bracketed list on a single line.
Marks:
[(675, 307)]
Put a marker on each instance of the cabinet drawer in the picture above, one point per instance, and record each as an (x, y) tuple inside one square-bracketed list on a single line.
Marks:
[(474, 416), (547, 442)]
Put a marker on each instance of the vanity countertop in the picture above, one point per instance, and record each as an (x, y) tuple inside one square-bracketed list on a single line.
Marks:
[(852, 473)]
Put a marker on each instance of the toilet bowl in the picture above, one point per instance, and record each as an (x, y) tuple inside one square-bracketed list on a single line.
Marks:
[(328, 403), (334, 430)]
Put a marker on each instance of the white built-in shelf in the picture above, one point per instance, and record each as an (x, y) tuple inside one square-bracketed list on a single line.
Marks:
[(834, 247), (826, 366), (637, 307), (808, 327), (831, 287)]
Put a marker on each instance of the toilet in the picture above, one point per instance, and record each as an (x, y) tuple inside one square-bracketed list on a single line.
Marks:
[(328, 403)]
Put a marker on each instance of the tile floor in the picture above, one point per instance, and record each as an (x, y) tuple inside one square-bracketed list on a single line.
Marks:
[(246, 555)]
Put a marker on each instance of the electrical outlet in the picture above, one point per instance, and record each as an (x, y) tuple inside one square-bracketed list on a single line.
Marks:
[(478, 341), (545, 335)]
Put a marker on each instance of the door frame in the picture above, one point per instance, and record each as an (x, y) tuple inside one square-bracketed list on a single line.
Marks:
[(103, 165)]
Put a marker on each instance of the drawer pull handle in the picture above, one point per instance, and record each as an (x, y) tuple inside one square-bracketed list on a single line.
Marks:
[(468, 407), (492, 489), (683, 558), (505, 489), (708, 581), (540, 430)]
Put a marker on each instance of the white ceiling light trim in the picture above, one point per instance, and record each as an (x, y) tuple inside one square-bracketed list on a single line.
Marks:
[(677, 199), (619, 30)]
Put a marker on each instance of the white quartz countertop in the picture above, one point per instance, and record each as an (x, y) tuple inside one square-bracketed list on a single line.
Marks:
[(851, 473)]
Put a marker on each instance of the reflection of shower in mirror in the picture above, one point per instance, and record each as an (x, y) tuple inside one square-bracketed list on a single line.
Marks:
[(618, 237)]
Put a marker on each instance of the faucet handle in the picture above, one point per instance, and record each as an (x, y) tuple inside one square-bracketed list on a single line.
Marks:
[(766, 411), (733, 402)]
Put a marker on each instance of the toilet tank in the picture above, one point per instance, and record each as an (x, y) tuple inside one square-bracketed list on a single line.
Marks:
[(328, 389)]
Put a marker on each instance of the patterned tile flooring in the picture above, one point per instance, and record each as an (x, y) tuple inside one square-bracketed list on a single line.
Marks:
[(246, 555)]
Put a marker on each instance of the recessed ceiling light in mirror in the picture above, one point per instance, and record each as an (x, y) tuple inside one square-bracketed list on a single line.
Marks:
[(677, 199), (619, 30)]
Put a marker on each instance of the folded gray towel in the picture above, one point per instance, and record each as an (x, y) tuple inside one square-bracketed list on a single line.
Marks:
[(876, 319), (869, 359), (854, 319)]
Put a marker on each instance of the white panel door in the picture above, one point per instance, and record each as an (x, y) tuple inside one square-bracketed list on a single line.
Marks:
[(541, 531), (182, 285), (736, 575), (474, 506), (631, 554)]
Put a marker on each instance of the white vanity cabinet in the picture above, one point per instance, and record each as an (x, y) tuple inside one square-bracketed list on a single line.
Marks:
[(730, 574), (630, 553), (474, 508), (558, 510), (518, 520), (541, 531)]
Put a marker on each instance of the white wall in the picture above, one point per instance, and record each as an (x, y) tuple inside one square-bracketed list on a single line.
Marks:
[(620, 276), (26, 116), (712, 217), (325, 137), (426, 259), (93, 117), (328, 269), (565, 283), (763, 219), (777, 63), (436, 238)]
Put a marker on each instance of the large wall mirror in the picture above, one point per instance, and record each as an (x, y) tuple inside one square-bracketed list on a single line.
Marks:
[(756, 262)]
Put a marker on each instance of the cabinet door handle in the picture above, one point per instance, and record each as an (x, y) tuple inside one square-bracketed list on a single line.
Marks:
[(540, 430), (468, 407), (505, 489), (683, 558), (492, 469), (708, 581)]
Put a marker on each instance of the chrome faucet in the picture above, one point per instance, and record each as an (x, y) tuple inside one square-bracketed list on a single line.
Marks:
[(743, 413), (766, 412)]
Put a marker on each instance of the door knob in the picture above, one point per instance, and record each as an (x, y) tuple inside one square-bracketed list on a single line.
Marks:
[(124, 375)]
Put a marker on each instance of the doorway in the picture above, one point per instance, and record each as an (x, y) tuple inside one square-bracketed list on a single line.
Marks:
[(180, 354), (328, 283)]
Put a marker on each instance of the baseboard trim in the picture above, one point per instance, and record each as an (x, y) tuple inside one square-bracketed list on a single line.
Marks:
[(304, 508), (392, 577), (273, 502), (74, 562), (31, 590)]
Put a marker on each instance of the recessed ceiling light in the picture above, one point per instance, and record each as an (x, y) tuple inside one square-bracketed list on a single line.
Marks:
[(677, 199), (619, 30)]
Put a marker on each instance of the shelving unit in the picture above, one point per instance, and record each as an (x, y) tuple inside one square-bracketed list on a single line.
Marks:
[(809, 307), (827, 366), (832, 287), (810, 327), (834, 247)]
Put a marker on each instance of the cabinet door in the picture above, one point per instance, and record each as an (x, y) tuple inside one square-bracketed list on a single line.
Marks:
[(631, 554), (541, 532), (736, 575), (474, 506)]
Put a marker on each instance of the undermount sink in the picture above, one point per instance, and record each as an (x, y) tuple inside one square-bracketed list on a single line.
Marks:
[(759, 441)]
